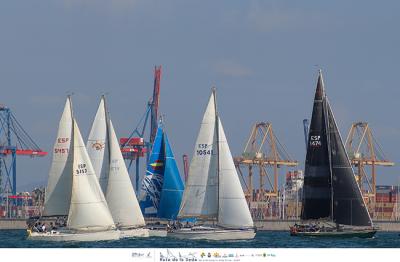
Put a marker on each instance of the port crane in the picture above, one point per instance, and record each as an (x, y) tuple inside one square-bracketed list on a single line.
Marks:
[(365, 154), (264, 151), (14, 141), (135, 146)]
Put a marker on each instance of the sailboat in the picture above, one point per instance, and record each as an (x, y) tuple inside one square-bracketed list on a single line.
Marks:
[(333, 205), (73, 190), (162, 186), (213, 191), (105, 154)]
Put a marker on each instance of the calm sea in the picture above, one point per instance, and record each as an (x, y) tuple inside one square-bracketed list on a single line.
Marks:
[(265, 239)]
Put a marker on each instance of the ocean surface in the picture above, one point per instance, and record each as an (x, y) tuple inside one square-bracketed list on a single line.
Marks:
[(264, 239)]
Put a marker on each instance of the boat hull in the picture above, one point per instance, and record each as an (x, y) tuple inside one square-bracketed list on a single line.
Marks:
[(368, 233), (157, 232), (74, 236), (216, 234), (134, 232)]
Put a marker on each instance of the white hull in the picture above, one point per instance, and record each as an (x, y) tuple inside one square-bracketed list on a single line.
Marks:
[(75, 236), (215, 234), (158, 232), (134, 232)]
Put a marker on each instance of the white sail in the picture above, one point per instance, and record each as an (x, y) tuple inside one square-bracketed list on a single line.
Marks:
[(58, 191), (233, 209), (97, 145), (88, 210), (120, 195), (201, 190)]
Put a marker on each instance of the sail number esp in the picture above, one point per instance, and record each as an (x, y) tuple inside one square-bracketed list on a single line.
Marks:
[(315, 141), (204, 149), (81, 170)]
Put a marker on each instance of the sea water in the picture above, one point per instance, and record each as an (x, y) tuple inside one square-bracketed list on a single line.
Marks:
[(263, 239)]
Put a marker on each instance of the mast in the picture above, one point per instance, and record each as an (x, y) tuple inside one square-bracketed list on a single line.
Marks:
[(214, 91), (325, 109), (107, 128)]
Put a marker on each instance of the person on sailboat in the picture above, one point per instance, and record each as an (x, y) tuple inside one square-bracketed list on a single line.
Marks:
[(73, 190)]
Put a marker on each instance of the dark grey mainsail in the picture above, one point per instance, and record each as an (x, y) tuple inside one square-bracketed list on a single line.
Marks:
[(330, 190)]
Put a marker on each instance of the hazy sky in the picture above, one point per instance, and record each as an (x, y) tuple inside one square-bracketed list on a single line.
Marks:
[(261, 56)]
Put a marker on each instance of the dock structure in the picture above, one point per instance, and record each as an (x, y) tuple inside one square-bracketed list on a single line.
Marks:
[(264, 155), (366, 154)]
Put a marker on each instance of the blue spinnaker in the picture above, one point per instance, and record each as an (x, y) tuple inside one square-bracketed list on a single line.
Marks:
[(172, 190), (153, 180)]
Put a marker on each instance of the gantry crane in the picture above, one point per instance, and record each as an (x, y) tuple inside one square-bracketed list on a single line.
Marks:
[(14, 141), (364, 151), (135, 145), (263, 150)]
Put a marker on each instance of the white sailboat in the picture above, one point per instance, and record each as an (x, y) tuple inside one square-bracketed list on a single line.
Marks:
[(105, 153), (213, 191), (74, 190)]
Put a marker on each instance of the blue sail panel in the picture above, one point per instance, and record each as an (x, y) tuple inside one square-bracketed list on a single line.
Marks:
[(153, 180), (172, 191)]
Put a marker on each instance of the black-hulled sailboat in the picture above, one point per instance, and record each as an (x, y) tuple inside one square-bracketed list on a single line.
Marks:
[(333, 205)]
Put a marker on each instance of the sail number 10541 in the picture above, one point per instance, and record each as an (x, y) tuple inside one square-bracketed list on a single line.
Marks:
[(204, 149)]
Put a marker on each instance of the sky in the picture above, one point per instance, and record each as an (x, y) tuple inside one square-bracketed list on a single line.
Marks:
[(263, 57)]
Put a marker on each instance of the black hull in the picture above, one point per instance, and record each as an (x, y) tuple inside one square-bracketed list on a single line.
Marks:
[(367, 233)]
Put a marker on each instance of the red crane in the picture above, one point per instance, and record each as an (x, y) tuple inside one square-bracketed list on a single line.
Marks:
[(135, 146)]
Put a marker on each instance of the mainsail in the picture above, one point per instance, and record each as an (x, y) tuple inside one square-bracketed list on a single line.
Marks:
[(58, 191), (317, 193), (330, 189), (97, 145), (200, 198), (88, 209)]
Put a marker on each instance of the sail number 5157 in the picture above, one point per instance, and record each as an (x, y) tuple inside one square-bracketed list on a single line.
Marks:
[(81, 170)]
